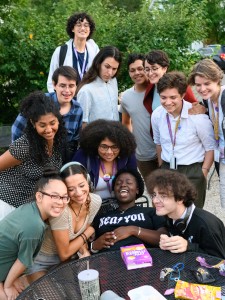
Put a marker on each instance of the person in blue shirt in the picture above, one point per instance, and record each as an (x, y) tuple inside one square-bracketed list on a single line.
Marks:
[(65, 83)]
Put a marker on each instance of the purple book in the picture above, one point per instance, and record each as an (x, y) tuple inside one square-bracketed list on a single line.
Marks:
[(136, 256)]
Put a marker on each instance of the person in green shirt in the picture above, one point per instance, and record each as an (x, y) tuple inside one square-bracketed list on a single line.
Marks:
[(22, 231)]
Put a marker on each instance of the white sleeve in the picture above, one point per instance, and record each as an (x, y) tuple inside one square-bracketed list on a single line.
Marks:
[(84, 97), (53, 66), (155, 127), (205, 131)]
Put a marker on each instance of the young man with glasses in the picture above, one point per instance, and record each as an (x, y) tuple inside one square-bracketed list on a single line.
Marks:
[(184, 142), (80, 49), (190, 228), (65, 83)]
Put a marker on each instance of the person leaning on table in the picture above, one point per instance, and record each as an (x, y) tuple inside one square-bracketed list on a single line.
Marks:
[(190, 228), (129, 224)]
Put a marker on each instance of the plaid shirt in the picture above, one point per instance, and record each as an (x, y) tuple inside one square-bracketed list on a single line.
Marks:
[(72, 121)]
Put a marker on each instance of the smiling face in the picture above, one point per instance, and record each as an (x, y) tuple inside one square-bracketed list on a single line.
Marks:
[(48, 206), (81, 29), (47, 126), (207, 88), (126, 188), (154, 72), (137, 72), (65, 89), (78, 188), (108, 68), (107, 150), (171, 100), (165, 204)]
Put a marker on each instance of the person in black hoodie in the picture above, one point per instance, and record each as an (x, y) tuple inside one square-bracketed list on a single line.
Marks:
[(190, 228)]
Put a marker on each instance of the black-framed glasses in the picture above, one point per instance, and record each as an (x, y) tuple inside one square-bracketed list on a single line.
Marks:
[(56, 198), (105, 148), (153, 70)]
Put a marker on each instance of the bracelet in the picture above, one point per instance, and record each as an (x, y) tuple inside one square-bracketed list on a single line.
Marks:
[(83, 238), (205, 169), (139, 231), (92, 250)]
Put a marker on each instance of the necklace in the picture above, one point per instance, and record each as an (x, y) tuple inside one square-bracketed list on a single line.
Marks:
[(77, 215), (106, 176)]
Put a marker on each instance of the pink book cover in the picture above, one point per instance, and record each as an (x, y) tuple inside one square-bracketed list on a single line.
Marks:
[(136, 256)]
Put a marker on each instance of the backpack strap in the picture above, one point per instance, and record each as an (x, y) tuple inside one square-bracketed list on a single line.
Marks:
[(62, 54)]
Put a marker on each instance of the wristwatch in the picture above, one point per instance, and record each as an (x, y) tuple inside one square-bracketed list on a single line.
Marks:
[(92, 250)]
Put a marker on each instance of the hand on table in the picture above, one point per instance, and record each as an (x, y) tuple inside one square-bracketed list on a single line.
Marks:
[(175, 244)]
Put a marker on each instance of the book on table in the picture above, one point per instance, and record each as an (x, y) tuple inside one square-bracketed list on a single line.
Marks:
[(136, 256)]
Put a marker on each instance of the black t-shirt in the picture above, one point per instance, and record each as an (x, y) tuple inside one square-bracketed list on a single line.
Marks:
[(144, 217)]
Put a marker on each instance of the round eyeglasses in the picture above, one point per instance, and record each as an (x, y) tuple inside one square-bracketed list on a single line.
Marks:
[(56, 198), (160, 197)]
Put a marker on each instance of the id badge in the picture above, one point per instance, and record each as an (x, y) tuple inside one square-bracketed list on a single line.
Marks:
[(217, 155), (173, 162)]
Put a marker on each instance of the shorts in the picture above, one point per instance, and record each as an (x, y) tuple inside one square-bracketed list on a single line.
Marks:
[(43, 262)]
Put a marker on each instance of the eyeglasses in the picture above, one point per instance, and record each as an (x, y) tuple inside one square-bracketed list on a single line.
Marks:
[(105, 148), (153, 70), (160, 197), (139, 69), (79, 25), (65, 199), (66, 86)]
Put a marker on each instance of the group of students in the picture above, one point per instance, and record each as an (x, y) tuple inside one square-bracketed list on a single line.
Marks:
[(52, 193)]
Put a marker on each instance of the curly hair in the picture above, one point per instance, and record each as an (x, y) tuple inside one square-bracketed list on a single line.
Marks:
[(32, 107), (208, 69), (172, 80), (94, 71), (92, 135), (79, 16), (174, 183), (136, 175), (158, 57)]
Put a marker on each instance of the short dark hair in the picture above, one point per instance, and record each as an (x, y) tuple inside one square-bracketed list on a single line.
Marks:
[(79, 16), (158, 57), (133, 57), (96, 131), (137, 176), (94, 71), (66, 71), (172, 80), (49, 173), (172, 182)]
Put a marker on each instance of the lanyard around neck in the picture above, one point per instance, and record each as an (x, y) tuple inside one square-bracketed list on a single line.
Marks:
[(215, 120), (81, 72), (107, 177), (173, 140)]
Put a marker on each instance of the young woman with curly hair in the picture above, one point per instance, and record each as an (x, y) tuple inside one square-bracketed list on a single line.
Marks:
[(67, 234), (106, 147), (97, 93), (22, 165), (81, 49)]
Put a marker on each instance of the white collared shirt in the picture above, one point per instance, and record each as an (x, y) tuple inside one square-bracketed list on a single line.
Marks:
[(194, 136)]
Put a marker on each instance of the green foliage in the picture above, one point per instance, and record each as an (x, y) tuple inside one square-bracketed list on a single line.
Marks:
[(30, 30)]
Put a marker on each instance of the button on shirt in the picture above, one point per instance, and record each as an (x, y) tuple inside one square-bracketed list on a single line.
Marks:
[(99, 100), (194, 136)]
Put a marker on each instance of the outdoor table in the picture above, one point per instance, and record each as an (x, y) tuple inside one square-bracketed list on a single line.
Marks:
[(62, 283)]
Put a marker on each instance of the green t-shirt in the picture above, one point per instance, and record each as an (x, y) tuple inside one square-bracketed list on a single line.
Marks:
[(21, 236)]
